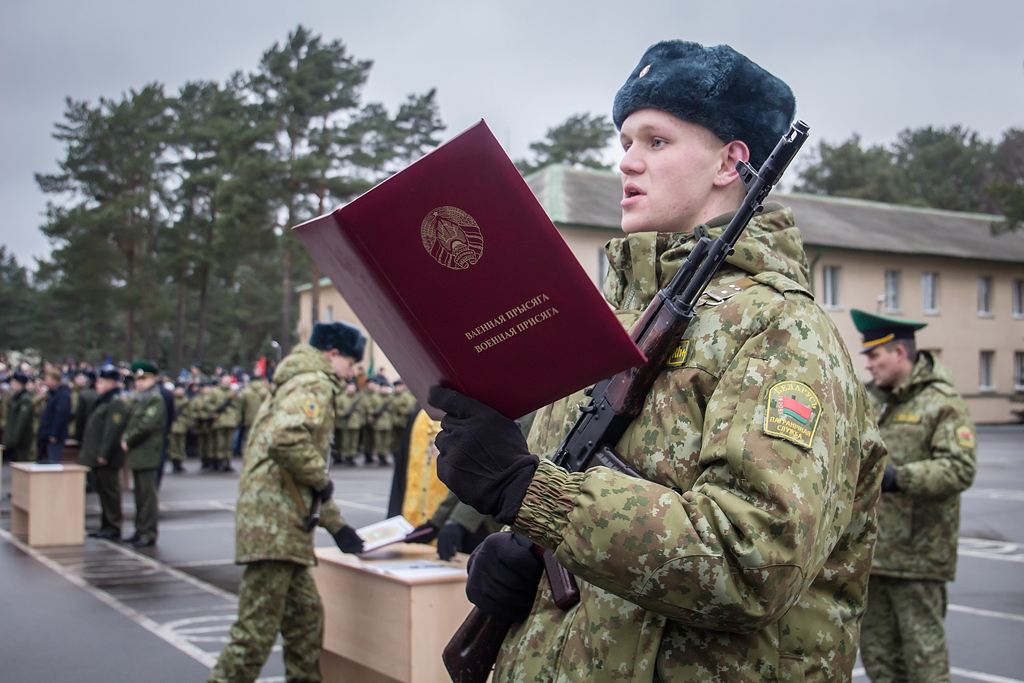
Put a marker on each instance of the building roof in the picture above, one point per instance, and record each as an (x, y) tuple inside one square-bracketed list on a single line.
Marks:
[(590, 199)]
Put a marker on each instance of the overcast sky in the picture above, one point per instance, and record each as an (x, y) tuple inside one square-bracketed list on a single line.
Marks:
[(871, 67)]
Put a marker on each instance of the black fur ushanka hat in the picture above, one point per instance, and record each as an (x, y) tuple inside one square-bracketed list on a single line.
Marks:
[(715, 87)]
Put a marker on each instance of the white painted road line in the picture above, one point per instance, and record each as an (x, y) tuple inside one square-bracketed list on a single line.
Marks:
[(207, 659), (986, 613), (986, 549), (995, 494), (962, 673)]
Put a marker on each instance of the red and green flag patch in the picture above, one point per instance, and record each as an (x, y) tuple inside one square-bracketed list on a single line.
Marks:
[(792, 411)]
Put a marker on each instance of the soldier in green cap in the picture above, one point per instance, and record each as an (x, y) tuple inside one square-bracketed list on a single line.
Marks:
[(143, 441), (101, 449), (932, 460), (283, 472), (743, 550)]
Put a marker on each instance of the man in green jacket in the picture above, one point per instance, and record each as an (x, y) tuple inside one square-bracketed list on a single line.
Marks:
[(932, 460), (183, 422), (143, 441), (742, 553), (18, 439), (348, 420), (283, 472), (101, 449)]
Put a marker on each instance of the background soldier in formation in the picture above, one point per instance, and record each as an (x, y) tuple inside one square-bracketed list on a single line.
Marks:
[(83, 400), (932, 460), (18, 439), (250, 400), (143, 442), (226, 418), (283, 472), (101, 450), (183, 421), (380, 419), (743, 552), (348, 421), (202, 410), (403, 403)]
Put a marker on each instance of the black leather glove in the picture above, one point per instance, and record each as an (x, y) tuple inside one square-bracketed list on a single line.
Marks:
[(425, 538), (449, 539), (889, 480), (348, 540), (326, 492), (483, 455), (503, 576)]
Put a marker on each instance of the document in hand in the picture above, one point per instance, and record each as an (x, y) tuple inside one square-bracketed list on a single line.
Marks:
[(462, 279)]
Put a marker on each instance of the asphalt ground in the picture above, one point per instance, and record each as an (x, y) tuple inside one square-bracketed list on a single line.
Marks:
[(105, 612)]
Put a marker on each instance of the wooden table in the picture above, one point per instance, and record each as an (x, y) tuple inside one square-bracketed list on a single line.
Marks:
[(48, 503), (383, 624)]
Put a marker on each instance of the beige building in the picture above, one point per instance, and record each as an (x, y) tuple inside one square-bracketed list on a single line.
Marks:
[(940, 267)]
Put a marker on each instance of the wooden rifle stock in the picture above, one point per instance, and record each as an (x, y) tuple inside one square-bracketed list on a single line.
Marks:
[(617, 401)]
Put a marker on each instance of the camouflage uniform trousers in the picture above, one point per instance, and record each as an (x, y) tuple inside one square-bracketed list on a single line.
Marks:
[(902, 638), (176, 446), (381, 442), (274, 597), (222, 443), (349, 446)]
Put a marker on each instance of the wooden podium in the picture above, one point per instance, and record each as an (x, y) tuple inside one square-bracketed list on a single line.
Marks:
[(389, 614), (48, 503)]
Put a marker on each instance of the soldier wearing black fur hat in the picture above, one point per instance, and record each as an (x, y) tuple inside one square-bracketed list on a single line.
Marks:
[(101, 449), (143, 441), (283, 472), (741, 553)]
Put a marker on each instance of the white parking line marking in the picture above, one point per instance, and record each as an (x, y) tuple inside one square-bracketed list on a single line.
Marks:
[(995, 494), (978, 676), (207, 659), (986, 549), (986, 613), (859, 672)]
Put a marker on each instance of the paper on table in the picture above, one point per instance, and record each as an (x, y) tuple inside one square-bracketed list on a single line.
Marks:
[(414, 569), (380, 534), (46, 467)]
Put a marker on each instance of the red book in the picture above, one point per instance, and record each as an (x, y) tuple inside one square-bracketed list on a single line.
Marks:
[(461, 278)]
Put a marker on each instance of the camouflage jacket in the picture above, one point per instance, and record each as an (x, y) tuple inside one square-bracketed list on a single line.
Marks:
[(744, 554), (378, 411), (183, 419), (403, 403), (145, 430), (290, 435), (224, 405), (251, 399), (930, 438), (103, 430), (347, 410), (18, 441)]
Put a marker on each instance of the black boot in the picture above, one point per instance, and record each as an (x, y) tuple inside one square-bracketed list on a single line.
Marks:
[(178, 467)]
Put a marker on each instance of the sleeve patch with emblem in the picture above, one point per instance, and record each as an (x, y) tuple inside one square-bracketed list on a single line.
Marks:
[(151, 411), (792, 413), (116, 418), (907, 418), (678, 356), (965, 436), (312, 409)]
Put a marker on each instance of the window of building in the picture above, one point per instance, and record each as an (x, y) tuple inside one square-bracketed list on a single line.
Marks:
[(1018, 298), (602, 267), (986, 377), (984, 296), (830, 290), (1018, 370), (329, 314), (930, 292), (892, 291)]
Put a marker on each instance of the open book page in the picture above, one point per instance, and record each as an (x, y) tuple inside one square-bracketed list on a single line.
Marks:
[(380, 534)]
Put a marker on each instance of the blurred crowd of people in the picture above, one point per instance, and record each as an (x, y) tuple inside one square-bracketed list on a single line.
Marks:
[(44, 407)]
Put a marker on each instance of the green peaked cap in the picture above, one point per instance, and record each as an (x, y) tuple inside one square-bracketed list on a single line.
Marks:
[(880, 329), (142, 367)]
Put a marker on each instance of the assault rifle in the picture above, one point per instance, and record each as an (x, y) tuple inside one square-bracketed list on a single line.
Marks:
[(617, 401)]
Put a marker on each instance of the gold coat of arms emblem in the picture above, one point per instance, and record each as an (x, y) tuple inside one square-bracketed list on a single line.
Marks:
[(452, 237)]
